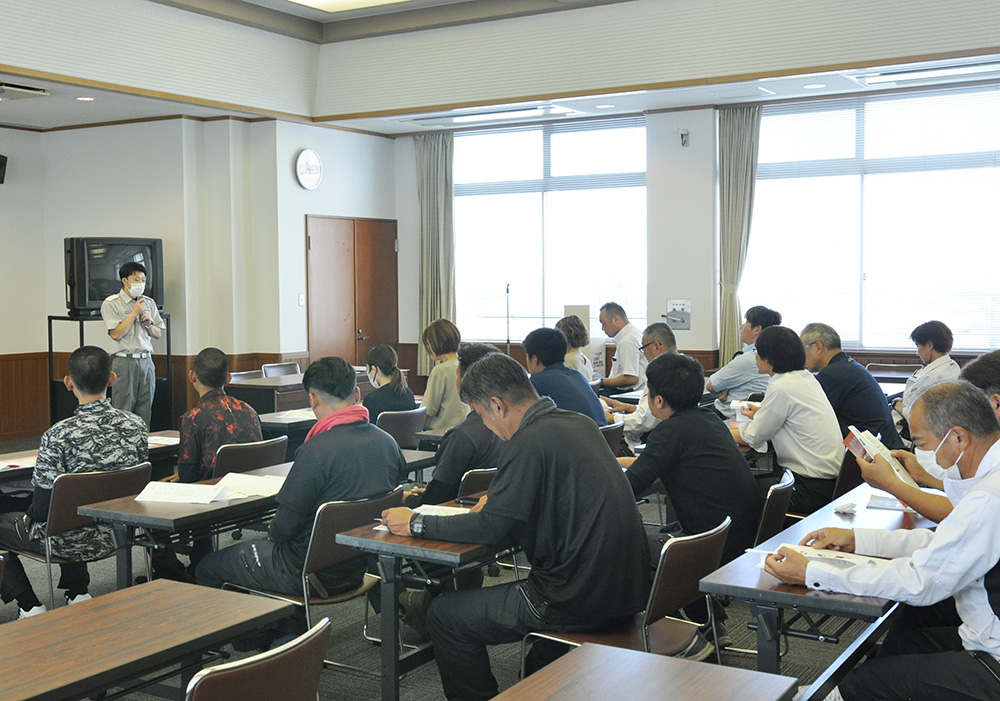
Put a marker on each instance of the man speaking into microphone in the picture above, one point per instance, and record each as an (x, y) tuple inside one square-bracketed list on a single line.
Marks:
[(132, 321)]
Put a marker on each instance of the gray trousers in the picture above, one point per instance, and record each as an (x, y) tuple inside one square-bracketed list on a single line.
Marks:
[(133, 389)]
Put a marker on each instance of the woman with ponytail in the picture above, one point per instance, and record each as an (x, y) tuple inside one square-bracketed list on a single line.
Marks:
[(391, 393)]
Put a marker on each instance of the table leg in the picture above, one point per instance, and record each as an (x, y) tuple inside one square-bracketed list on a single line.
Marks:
[(768, 637), (390, 569), (124, 535)]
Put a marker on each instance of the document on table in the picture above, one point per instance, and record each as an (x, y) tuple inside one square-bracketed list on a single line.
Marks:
[(156, 441), (292, 415), (432, 510), (183, 493), (28, 461), (239, 484)]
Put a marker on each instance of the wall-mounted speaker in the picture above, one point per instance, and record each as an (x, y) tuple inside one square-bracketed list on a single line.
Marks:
[(3, 168)]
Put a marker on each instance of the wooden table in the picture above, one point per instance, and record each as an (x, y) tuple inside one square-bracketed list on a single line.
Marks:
[(77, 651), (600, 672), (126, 514), (743, 580), (391, 551)]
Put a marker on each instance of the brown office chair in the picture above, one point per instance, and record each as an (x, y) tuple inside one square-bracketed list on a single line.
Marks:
[(290, 672), (849, 476), (403, 425), (613, 435), (73, 490), (683, 562), (278, 369), (323, 551), (475, 481), (243, 457), (246, 375)]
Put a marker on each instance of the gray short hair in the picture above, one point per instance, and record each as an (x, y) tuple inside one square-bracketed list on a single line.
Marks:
[(662, 333), (962, 404), (823, 333)]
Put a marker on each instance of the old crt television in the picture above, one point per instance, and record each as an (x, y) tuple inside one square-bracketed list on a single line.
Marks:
[(92, 266)]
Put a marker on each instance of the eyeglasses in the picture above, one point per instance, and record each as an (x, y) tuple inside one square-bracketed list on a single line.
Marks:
[(644, 346)]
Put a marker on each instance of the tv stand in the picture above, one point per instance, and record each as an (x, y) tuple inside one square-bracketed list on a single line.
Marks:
[(60, 408)]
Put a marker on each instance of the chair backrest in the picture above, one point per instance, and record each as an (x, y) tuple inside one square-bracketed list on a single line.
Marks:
[(243, 457), (772, 518), (755, 397), (73, 490), (613, 435), (290, 672), (475, 481), (334, 517), (276, 369), (403, 425), (849, 476), (246, 375), (683, 563)]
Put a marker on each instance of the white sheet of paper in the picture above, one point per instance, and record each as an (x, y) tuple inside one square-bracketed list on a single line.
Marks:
[(293, 415), (251, 485), (432, 510), (182, 493), (164, 440), (28, 461)]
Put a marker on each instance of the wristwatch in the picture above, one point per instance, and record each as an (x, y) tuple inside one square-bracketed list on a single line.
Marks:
[(417, 524)]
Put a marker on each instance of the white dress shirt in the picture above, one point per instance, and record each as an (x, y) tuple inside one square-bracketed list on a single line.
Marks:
[(930, 566), (944, 369), (797, 417), (628, 359)]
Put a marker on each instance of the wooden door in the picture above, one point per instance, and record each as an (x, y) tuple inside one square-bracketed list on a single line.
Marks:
[(376, 304), (352, 286), (330, 287)]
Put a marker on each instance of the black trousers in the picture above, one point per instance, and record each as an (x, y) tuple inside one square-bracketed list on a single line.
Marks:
[(74, 577), (922, 658), (810, 494)]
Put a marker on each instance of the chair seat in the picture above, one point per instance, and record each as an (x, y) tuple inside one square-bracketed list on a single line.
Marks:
[(368, 583), (55, 559), (668, 636)]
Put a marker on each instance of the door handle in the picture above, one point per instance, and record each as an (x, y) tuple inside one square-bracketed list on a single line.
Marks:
[(362, 338)]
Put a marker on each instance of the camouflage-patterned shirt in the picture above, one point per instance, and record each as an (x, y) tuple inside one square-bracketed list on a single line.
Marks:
[(97, 438)]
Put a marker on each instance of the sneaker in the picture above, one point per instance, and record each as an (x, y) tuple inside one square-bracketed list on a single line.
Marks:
[(699, 649), (78, 598), (725, 640), (415, 603), (21, 613)]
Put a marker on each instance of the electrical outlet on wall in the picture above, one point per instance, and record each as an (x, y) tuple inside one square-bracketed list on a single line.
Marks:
[(678, 314)]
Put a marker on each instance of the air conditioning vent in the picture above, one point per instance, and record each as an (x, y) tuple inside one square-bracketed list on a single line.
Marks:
[(12, 91)]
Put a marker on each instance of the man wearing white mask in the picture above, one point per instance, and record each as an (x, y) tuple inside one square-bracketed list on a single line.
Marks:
[(133, 321)]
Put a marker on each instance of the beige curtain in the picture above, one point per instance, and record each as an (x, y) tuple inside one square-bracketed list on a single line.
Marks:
[(435, 154), (739, 137)]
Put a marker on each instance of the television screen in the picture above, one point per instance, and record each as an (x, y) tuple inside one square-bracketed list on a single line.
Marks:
[(92, 266)]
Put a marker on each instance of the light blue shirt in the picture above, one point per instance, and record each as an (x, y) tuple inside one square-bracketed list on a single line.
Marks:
[(740, 377)]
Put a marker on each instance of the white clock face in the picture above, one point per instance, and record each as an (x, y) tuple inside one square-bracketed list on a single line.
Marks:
[(309, 169)]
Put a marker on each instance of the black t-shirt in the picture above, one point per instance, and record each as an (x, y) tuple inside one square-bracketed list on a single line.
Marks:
[(468, 446), (857, 400), (351, 461), (575, 518), (705, 475), (386, 399)]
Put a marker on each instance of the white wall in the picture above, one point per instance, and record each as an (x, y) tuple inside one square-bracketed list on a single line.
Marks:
[(358, 181), (160, 49), (640, 43), (408, 217), (682, 222), (23, 281)]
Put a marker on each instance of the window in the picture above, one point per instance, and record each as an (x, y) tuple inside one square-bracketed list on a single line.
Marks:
[(541, 208), (876, 214)]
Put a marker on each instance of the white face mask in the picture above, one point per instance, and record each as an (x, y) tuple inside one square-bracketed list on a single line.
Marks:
[(373, 378), (954, 464), (136, 289)]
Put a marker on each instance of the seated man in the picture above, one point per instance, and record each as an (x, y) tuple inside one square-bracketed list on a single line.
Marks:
[(984, 373), (946, 640), (740, 377), (692, 454), (628, 366), (468, 446), (657, 339), (855, 396), (560, 496), (217, 420), (343, 457), (545, 350), (97, 438)]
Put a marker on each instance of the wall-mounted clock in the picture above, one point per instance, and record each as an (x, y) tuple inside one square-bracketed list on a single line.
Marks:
[(308, 169)]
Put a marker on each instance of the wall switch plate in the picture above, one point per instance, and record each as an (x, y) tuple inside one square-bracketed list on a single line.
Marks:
[(302, 299)]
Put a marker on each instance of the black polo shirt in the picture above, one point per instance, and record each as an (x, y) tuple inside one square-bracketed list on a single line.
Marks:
[(857, 399)]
